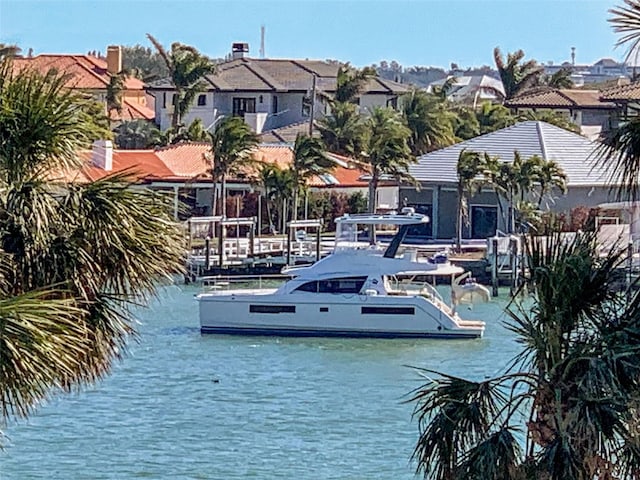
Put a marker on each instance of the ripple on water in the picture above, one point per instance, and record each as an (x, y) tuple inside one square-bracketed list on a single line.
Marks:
[(183, 405)]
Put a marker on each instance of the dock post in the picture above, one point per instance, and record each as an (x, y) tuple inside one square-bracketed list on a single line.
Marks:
[(494, 267), (629, 269), (513, 260), (318, 234), (207, 253), (252, 239), (289, 242), (220, 244)]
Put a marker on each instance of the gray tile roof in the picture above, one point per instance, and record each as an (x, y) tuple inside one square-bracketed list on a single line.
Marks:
[(574, 153), (251, 74)]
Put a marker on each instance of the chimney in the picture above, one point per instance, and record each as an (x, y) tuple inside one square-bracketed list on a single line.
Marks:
[(238, 50), (102, 154), (114, 59)]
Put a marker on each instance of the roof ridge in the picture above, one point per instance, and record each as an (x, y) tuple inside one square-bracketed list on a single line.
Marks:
[(543, 145), (264, 76)]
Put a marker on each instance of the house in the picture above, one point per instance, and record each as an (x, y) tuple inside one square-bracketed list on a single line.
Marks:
[(626, 97), (587, 180), (183, 170), (268, 93), (473, 89), (585, 108), (603, 70), (92, 74)]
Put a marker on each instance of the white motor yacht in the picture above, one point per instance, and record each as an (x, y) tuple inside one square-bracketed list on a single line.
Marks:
[(359, 290)]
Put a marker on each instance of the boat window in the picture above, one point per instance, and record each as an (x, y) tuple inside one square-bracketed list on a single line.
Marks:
[(308, 287), (272, 308), (341, 285), (388, 310)]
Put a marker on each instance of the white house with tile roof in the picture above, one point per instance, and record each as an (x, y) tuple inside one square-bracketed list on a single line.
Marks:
[(268, 93), (587, 180)]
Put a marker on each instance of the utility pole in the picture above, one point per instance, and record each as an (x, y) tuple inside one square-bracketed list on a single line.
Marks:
[(313, 105)]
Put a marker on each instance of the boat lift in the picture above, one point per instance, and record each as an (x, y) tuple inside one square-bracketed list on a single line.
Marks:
[(299, 228)]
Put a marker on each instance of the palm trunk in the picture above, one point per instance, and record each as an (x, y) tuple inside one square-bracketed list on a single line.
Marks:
[(223, 195), (214, 196)]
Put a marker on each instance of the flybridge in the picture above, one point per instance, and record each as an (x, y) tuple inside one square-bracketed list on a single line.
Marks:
[(407, 217)]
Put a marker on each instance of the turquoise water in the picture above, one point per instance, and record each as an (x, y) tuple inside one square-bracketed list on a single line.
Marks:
[(182, 405)]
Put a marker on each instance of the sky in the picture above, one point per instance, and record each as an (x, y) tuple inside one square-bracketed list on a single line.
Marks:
[(362, 32)]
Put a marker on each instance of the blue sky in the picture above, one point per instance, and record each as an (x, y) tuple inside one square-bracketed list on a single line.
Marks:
[(417, 32)]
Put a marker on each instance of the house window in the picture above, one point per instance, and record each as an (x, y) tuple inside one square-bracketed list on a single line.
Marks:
[(393, 103), (274, 105), (164, 100), (306, 106), (260, 99), (243, 105), (202, 100), (484, 221)]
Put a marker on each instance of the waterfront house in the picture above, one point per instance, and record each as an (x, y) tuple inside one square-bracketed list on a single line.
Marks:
[(586, 108), (471, 89), (588, 184), (268, 93), (91, 74), (183, 170)]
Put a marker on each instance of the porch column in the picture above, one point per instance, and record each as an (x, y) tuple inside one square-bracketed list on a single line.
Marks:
[(435, 208), (176, 202)]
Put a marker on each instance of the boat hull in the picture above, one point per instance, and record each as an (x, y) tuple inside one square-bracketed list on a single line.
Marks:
[(330, 315)]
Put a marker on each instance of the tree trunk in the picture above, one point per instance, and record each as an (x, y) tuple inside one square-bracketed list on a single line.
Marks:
[(223, 195), (214, 196), (175, 118)]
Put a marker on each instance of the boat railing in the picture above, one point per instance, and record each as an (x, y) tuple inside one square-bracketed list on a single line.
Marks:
[(214, 283)]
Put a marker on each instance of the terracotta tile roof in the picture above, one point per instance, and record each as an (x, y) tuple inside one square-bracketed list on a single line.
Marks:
[(340, 176), (187, 160), (133, 111), (563, 98), (85, 72), (624, 93)]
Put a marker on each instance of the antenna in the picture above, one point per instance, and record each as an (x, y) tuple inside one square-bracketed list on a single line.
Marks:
[(261, 41), (573, 56)]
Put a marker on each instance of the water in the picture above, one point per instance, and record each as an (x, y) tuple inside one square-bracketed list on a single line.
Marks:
[(182, 405)]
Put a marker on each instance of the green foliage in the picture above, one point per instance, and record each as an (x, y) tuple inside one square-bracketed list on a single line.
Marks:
[(573, 391), (626, 21), (387, 152), (232, 145), (516, 77), (330, 205), (350, 82), (492, 117), (430, 121), (144, 63), (74, 259), (470, 169), (343, 131), (195, 132), (186, 67), (138, 134)]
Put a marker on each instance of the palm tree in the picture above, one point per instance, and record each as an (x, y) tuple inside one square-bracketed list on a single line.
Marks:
[(138, 134), (551, 117), (350, 82), (471, 165), (187, 67), (232, 146), (278, 186), (516, 77), (492, 117), (309, 160), (626, 21), (343, 131), (74, 258), (560, 79), (430, 122), (387, 152), (114, 93), (549, 176), (503, 176), (566, 409)]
